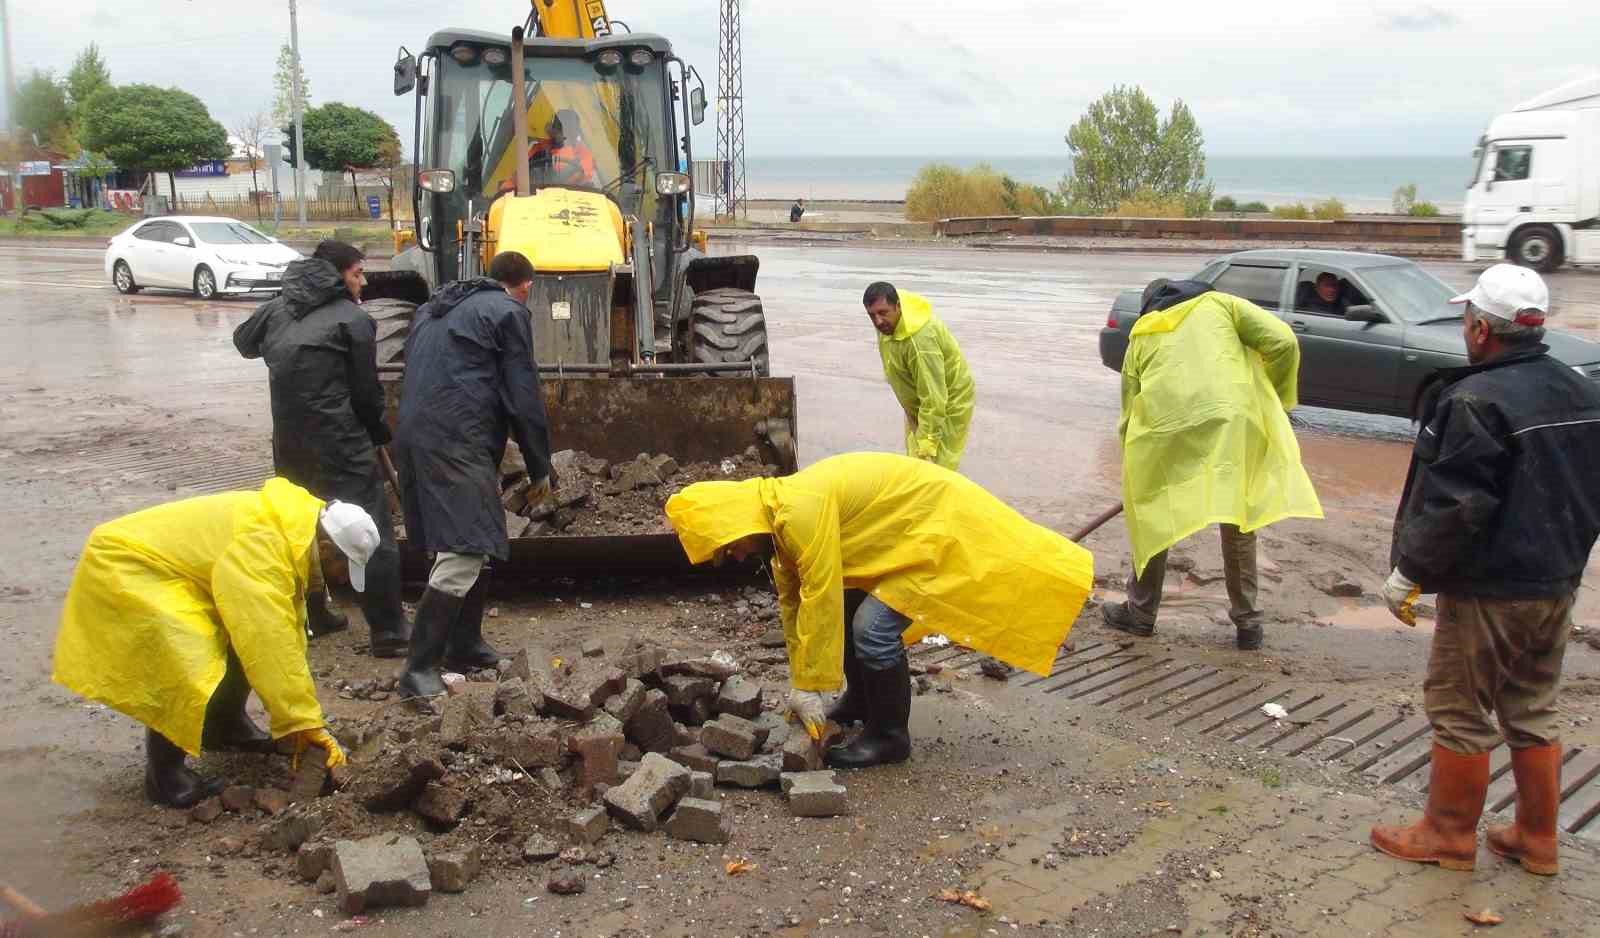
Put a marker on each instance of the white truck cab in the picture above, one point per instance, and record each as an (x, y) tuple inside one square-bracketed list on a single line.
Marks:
[(1535, 196)]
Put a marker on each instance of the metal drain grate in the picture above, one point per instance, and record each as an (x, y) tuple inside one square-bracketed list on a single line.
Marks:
[(1381, 744), (186, 469)]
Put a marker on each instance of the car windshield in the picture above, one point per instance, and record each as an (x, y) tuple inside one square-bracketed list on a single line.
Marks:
[(1412, 293), (222, 232)]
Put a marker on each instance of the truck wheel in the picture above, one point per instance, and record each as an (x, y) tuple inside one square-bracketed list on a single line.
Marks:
[(393, 318), (728, 325), (1538, 247)]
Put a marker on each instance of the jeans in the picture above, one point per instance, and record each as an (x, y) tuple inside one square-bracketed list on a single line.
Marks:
[(1238, 570), (875, 631)]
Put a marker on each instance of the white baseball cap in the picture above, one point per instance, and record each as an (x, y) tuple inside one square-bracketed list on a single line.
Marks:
[(352, 531), (1506, 291)]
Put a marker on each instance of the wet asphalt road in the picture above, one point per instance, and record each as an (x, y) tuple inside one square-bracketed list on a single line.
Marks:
[(1043, 436)]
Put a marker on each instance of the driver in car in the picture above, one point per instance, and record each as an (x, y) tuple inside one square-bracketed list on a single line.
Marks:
[(560, 160), (1324, 296)]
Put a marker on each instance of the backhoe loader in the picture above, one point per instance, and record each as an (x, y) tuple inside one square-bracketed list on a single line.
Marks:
[(568, 141)]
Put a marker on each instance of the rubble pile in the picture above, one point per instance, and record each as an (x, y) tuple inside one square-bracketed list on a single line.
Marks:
[(535, 763), (596, 497)]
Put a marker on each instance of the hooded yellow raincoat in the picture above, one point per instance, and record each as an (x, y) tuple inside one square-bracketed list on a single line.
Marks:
[(925, 541), (930, 379), (1206, 387), (160, 595)]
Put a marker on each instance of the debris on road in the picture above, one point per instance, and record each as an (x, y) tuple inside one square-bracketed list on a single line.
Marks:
[(968, 898), (1485, 917), (1275, 711)]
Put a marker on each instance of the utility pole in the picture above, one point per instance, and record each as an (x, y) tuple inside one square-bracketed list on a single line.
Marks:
[(730, 192), (10, 92), (297, 106)]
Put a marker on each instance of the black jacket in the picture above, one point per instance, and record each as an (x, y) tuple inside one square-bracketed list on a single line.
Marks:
[(327, 405), (1501, 499), (470, 382)]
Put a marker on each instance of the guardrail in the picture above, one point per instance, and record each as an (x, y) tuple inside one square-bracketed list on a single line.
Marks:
[(1220, 229)]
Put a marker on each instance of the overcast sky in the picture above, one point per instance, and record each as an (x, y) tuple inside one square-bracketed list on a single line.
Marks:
[(922, 77)]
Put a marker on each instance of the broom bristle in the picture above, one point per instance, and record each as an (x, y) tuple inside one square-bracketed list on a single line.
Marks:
[(145, 902)]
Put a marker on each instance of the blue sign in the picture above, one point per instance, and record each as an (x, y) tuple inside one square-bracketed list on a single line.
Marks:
[(210, 168), (373, 207)]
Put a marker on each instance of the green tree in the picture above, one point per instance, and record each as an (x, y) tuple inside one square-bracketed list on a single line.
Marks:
[(1404, 197), (341, 138), (1121, 146), (283, 88), (42, 106), (87, 76), (154, 129)]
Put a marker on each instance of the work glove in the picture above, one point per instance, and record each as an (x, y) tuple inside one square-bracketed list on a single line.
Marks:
[(811, 709), (305, 739), (539, 490), (1401, 595)]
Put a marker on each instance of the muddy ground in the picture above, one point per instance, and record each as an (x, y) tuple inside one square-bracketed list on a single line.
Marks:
[(109, 403)]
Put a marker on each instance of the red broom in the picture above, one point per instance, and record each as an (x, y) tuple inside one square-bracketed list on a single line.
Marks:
[(141, 904)]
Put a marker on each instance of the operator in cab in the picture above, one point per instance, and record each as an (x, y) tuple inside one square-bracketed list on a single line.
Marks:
[(562, 158)]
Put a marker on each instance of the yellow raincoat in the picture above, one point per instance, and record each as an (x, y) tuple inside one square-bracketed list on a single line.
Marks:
[(927, 542), (930, 379), (160, 595), (1206, 387)]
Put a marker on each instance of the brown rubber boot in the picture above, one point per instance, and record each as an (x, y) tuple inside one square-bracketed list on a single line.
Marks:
[(1532, 840), (1447, 834)]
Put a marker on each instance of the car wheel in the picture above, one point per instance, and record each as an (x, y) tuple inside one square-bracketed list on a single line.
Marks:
[(205, 283), (1537, 247), (122, 278)]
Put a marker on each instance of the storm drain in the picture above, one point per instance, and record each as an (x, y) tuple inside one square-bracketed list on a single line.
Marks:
[(185, 470), (1383, 745)]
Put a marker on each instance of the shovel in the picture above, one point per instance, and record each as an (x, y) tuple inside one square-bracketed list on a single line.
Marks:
[(1095, 524)]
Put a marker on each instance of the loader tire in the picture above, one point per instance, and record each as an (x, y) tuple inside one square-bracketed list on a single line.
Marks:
[(728, 325), (393, 318)]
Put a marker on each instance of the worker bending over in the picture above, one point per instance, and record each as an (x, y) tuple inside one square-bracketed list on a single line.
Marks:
[(932, 551), (924, 367), (1207, 384), (470, 382), (177, 612), (1498, 517)]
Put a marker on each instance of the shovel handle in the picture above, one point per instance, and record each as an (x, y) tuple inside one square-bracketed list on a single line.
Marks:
[(1095, 524), (394, 477), (25, 907)]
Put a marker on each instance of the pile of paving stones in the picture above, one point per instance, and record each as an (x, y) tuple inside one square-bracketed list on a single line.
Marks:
[(532, 763)]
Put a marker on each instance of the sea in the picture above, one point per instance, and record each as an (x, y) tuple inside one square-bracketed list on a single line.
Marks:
[(1363, 183)]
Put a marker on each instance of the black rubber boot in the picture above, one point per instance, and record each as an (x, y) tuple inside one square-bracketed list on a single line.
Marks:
[(1249, 636), (886, 739), (228, 727), (851, 706), (389, 632), (1118, 616), (436, 615), (321, 618), (465, 649), (168, 780)]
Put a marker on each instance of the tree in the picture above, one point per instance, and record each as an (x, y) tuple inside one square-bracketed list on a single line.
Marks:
[(42, 106), (252, 133), (341, 138), (283, 85), (1120, 147), (154, 129), (392, 162), (87, 76)]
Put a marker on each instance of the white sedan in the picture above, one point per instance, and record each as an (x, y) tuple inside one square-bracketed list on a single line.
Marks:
[(207, 256)]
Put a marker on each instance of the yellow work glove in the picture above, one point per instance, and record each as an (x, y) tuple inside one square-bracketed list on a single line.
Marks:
[(539, 490), (811, 709), (305, 739), (1401, 595)]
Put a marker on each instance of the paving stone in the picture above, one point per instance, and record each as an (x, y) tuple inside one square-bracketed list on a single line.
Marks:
[(271, 801), (800, 754), (466, 713), (640, 801), (642, 661), (699, 820), (287, 831), (313, 858), (454, 870), (594, 648), (441, 804), (327, 883), (694, 758), (394, 779), (684, 689), (206, 811), (576, 695), (539, 848), (513, 698), (533, 745), (238, 798), (740, 696), (696, 714), (718, 667), (777, 729), (598, 746), (731, 736), (702, 784), (753, 773), (624, 705), (652, 728), (587, 825), (311, 777), (814, 794), (385, 870)]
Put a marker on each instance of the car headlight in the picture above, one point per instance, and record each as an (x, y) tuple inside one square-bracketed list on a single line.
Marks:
[(226, 259)]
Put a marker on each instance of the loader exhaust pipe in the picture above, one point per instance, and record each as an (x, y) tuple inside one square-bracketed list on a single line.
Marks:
[(519, 111)]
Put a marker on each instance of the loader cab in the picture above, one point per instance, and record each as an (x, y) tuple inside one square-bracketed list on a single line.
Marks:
[(629, 95)]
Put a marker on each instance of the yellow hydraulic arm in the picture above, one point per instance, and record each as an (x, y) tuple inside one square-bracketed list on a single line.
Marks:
[(572, 19)]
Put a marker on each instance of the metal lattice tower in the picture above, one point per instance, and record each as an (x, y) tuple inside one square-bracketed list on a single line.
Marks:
[(731, 193)]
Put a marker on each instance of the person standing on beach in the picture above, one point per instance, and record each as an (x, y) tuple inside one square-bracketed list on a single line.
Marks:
[(924, 366), (796, 211)]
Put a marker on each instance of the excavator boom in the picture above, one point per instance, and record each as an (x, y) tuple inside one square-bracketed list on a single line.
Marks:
[(571, 19)]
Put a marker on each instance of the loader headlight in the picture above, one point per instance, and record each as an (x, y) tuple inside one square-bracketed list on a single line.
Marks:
[(495, 55), (670, 184), (464, 53), (437, 180), (610, 58), (639, 58)]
